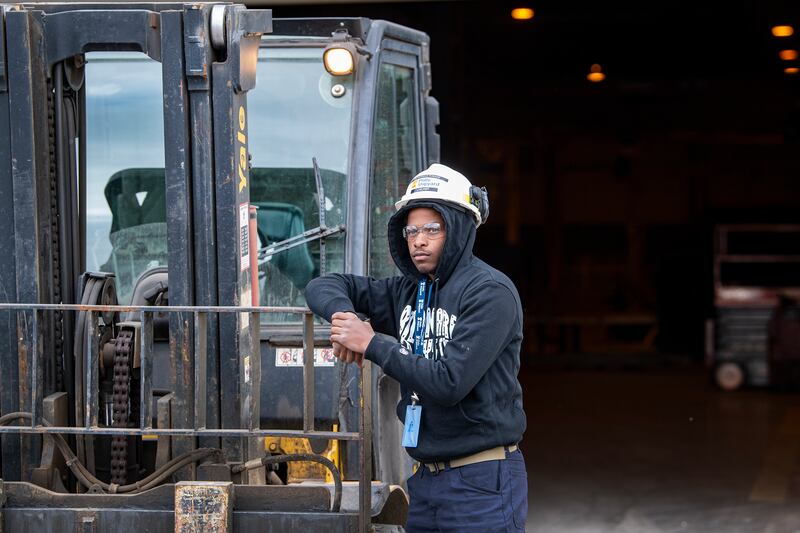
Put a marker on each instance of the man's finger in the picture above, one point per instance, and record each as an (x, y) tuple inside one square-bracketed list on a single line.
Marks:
[(345, 354), (340, 353), (339, 339)]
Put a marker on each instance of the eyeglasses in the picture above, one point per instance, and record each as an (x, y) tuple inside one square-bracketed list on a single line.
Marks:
[(431, 230)]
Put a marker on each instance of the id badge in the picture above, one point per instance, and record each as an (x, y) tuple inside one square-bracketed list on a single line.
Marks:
[(411, 428)]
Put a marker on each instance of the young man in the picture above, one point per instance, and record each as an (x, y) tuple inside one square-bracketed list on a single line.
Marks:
[(458, 322)]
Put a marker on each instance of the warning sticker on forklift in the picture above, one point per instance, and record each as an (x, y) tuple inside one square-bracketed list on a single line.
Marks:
[(244, 235), (294, 357)]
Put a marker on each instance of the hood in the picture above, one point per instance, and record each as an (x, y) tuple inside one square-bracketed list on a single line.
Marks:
[(459, 239)]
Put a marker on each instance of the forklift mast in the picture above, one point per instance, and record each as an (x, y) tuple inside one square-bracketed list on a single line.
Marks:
[(208, 65)]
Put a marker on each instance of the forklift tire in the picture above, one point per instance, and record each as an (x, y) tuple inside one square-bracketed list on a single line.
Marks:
[(729, 376)]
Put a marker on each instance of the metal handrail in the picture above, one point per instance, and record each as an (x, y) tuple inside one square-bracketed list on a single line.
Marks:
[(178, 432), (157, 308), (30, 341)]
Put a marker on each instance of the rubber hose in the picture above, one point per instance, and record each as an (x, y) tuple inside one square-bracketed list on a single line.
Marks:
[(314, 458), (88, 480)]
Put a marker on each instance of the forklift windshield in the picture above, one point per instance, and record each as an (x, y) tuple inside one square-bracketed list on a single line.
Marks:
[(297, 112)]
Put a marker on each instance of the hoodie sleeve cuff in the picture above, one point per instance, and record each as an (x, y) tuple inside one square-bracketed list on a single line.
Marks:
[(379, 350), (338, 305)]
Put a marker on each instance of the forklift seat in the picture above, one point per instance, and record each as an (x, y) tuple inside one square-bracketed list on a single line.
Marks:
[(152, 288), (280, 221), (136, 196)]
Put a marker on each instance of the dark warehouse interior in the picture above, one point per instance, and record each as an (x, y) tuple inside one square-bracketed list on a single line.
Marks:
[(621, 209)]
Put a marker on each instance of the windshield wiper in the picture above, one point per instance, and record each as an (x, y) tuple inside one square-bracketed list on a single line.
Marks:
[(297, 240), (321, 232), (321, 205)]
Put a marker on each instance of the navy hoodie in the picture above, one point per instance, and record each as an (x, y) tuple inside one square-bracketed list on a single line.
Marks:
[(467, 379)]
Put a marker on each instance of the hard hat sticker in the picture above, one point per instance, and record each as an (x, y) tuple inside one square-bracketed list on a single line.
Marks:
[(425, 189), (427, 182), (432, 176)]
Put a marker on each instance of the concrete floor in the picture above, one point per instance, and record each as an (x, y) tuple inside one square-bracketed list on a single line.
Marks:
[(658, 451)]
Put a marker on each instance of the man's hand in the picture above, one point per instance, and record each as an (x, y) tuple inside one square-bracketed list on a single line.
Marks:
[(347, 356), (350, 333)]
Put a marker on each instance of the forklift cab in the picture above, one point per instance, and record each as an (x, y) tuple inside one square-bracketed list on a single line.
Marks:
[(369, 130)]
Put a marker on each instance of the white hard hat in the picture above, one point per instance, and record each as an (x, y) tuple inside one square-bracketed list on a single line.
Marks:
[(440, 182)]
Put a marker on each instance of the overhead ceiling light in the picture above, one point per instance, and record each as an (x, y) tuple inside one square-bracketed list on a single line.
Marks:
[(522, 13), (596, 74), (782, 31), (791, 70), (788, 55)]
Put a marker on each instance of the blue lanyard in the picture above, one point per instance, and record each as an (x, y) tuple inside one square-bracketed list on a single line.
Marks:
[(419, 319), (419, 324)]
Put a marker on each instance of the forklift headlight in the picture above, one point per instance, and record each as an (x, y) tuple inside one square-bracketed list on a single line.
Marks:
[(338, 60)]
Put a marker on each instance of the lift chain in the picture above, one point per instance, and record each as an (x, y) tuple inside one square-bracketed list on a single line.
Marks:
[(122, 379), (55, 220)]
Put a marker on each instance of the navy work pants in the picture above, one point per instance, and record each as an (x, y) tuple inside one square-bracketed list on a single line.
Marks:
[(488, 497)]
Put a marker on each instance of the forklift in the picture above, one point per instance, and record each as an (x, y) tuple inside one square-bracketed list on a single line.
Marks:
[(175, 173)]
